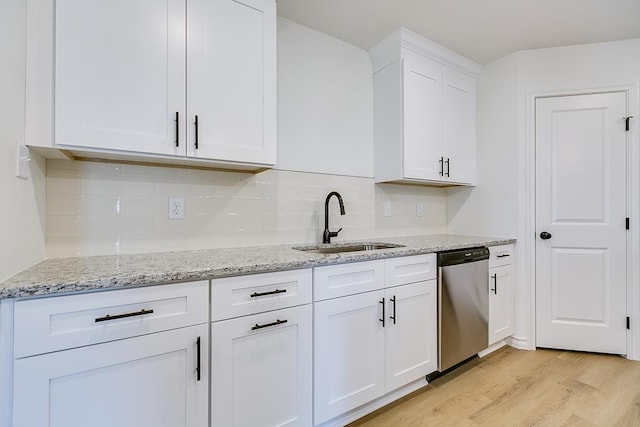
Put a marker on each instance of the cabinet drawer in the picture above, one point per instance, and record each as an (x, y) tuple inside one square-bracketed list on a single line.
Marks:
[(410, 269), (257, 293), (347, 279), (500, 255), (57, 323)]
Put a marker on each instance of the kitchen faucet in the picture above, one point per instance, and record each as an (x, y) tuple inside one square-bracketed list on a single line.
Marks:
[(327, 235)]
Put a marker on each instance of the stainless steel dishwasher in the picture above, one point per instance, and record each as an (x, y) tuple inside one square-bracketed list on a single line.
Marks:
[(463, 305)]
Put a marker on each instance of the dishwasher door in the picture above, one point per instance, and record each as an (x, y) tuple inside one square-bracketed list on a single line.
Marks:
[(463, 304)]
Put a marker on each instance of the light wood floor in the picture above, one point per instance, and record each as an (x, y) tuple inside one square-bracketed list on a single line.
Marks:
[(524, 388)]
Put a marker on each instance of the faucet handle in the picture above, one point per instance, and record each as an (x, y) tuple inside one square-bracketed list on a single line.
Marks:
[(334, 233)]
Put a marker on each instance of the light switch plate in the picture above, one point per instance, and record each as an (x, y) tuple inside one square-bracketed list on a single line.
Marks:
[(387, 208), (22, 161)]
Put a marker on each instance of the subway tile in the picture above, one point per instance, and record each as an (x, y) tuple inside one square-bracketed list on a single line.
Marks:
[(64, 225), (95, 208)]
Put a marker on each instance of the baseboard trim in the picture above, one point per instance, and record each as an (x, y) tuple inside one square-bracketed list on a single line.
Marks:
[(492, 348), (520, 343), (366, 409)]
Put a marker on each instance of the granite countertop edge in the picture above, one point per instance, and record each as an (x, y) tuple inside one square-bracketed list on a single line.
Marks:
[(81, 274)]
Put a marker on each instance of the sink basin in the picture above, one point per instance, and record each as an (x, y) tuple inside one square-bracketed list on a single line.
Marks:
[(356, 247)]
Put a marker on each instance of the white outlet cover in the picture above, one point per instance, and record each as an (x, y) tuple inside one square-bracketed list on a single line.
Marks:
[(419, 209), (176, 207)]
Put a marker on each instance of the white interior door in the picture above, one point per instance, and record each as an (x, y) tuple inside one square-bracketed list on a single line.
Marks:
[(581, 204)]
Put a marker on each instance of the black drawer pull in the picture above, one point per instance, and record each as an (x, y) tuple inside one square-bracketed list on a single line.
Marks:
[(495, 284), (382, 319), (266, 325), (122, 316), (261, 294), (502, 256)]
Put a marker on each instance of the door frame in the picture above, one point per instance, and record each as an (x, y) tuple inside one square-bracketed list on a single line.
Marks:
[(527, 207)]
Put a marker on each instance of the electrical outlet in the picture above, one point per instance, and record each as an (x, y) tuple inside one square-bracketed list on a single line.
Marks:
[(176, 207), (419, 209), (387, 208)]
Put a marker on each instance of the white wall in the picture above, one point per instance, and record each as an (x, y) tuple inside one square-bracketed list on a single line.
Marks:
[(325, 103), (505, 119), (22, 216)]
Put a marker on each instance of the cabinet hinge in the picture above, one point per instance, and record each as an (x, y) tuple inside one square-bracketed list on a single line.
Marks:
[(628, 323), (626, 119), (627, 223)]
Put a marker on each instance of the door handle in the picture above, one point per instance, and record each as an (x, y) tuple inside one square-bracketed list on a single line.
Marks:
[(495, 284), (383, 315), (545, 235)]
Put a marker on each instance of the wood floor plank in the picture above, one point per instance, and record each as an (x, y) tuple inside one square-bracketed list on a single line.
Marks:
[(524, 388)]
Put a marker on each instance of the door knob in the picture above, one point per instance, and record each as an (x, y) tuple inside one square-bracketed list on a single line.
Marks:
[(545, 235)]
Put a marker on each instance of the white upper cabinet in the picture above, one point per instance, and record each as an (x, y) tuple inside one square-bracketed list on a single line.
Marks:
[(120, 77), (424, 112), (170, 81), (231, 68)]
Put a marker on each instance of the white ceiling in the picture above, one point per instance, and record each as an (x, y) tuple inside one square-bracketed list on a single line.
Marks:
[(482, 30)]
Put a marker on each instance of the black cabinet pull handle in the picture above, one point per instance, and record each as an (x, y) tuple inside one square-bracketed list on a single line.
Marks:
[(383, 315), (441, 161), (198, 359), (196, 125), (261, 294), (177, 129), (448, 162), (495, 284), (502, 255), (394, 309), (122, 316), (266, 325)]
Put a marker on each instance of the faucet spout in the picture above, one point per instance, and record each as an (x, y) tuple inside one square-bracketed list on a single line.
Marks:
[(327, 235)]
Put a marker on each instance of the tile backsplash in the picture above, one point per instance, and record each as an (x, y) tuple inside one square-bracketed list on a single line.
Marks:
[(108, 208)]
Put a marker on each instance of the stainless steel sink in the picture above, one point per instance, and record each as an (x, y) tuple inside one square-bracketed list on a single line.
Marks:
[(357, 247)]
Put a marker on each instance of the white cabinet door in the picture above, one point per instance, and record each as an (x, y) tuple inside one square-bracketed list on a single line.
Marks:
[(145, 381), (349, 353), (232, 72), (500, 303), (120, 75), (422, 94), (261, 369), (459, 127), (411, 333)]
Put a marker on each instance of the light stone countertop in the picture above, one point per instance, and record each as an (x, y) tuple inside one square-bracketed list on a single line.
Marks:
[(64, 275)]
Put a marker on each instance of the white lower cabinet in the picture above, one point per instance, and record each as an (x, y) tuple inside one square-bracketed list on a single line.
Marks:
[(150, 380), (349, 353), (411, 333), (260, 367), (372, 343), (500, 303), (261, 363), (501, 278)]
